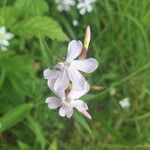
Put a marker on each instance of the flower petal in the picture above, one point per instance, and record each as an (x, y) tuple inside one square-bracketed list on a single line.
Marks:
[(87, 65), (76, 78), (5, 43), (62, 81), (66, 111), (59, 94), (8, 36), (82, 11), (69, 112), (2, 30), (62, 111), (79, 105), (76, 93), (89, 8), (74, 50), (53, 102), (50, 74)]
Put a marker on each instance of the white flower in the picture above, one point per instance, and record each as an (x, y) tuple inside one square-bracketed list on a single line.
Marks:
[(68, 103), (75, 22), (125, 103), (85, 6), (60, 76), (64, 5), (4, 38)]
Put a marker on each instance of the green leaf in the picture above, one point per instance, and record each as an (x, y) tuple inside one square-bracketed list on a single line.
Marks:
[(8, 16), (31, 7), (36, 128), (2, 77), (14, 116), (53, 145), (40, 26), (82, 122), (46, 53), (23, 146), (19, 81)]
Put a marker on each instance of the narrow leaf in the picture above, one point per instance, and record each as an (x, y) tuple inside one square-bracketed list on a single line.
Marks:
[(36, 129), (14, 116)]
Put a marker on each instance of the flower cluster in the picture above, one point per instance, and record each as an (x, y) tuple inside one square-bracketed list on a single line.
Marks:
[(66, 81), (64, 5), (83, 5), (4, 38)]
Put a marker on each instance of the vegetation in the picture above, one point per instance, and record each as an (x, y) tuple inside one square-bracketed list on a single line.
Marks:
[(119, 42)]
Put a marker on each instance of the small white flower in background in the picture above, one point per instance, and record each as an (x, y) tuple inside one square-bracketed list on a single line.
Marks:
[(85, 6), (69, 102), (125, 103), (75, 22), (64, 5), (60, 76), (4, 38)]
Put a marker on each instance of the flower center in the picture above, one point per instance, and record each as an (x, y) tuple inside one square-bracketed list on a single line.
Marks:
[(67, 101)]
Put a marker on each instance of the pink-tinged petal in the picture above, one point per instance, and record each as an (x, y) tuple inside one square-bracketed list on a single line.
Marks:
[(74, 50), (76, 78), (62, 111), (53, 102), (59, 94), (79, 105), (66, 111), (87, 65), (50, 74), (86, 114), (62, 81), (69, 112), (76, 93)]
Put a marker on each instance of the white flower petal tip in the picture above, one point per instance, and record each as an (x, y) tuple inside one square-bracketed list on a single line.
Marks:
[(46, 73), (75, 23), (4, 38), (125, 103), (86, 114), (88, 65), (85, 6), (64, 5), (53, 102), (50, 74), (74, 50), (66, 111)]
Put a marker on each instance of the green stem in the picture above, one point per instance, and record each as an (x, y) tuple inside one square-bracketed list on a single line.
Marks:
[(126, 78)]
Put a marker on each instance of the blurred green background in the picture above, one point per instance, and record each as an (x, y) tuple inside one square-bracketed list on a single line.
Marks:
[(120, 43)]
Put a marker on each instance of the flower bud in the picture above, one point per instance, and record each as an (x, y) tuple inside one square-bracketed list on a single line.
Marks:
[(87, 39)]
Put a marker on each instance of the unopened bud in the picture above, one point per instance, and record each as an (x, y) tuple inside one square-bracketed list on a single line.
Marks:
[(87, 39)]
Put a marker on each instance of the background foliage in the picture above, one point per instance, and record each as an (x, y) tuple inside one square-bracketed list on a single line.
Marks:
[(120, 42)]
